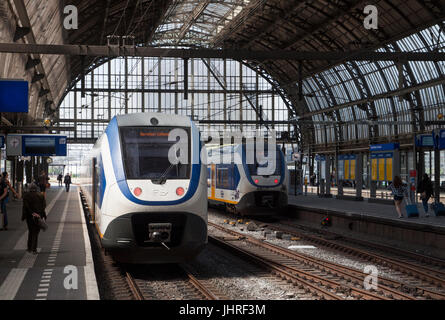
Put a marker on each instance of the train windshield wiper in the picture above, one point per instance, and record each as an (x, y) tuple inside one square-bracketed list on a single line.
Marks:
[(162, 179)]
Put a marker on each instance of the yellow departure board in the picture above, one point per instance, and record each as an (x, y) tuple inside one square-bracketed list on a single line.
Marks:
[(389, 169), (374, 169), (352, 166), (381, 169)]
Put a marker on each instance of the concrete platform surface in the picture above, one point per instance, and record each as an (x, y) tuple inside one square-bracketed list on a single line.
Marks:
[(63, 269), (365, 209)]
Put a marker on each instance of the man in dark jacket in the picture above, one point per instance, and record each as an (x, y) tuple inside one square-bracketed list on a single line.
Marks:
[(59, 178), (43, 182), (34, 205), (425, 188), (67, 182)]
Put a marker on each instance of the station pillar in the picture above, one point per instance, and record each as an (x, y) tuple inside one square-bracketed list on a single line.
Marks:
[(35, 168), (19, 177), (338, 175), (359, 176), (321, 181), (437, 175), (28, 171), (328, 176), (45, 165)]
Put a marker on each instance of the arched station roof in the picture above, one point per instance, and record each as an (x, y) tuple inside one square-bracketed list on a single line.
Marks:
[(337, 94)]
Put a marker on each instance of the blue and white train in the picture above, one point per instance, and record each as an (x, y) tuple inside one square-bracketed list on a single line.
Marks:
[(240, 187), (147, 210)]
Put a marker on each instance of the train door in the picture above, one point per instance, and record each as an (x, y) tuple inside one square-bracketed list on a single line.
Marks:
[(213, 180), (94, 189)]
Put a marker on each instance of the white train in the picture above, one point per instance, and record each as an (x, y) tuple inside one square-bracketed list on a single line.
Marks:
[(146, 209), (238, 186)]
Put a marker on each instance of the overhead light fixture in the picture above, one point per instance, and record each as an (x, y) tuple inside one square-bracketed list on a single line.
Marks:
[(20, 32), (31, 63), (37, 77), (43, 92)]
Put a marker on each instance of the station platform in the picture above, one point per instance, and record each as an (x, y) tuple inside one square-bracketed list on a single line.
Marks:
[(373, 221), (63, 269), (365, 208)]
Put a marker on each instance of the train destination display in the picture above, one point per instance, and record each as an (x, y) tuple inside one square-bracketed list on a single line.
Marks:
[(36, 145)]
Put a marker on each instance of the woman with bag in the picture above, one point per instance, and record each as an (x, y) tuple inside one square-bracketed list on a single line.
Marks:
[(425, 188), (33, 212), (399, 190), (5, 186)]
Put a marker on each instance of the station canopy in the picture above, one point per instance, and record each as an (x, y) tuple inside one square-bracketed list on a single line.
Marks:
[(341, 103)]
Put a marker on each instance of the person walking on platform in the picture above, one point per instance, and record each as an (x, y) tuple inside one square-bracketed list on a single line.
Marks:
[(5, 185), (67, 182), (59, 178), (425, 188), (34, 205), (43, 182), (399, 190)]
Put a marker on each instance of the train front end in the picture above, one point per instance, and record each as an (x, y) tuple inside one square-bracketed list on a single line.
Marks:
[(153, 209), (266, 189)]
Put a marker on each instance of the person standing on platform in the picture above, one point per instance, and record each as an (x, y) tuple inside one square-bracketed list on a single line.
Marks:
[(59, 178), (34, 205), (5, 185), (67, 182), (399, 190), (43, 183), (425, 188)]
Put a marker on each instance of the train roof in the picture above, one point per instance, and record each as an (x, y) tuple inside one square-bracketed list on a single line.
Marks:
[(153, 119)]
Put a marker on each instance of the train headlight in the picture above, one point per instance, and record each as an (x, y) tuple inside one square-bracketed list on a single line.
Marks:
[(137, 192), (180, 191), (257, 181), (276, 181)]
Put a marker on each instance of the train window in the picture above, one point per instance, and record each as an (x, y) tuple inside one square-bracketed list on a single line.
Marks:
[(222, 180), (145, 153)]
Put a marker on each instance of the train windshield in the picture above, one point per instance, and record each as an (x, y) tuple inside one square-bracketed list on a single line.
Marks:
[(145, 153), (253, 168)]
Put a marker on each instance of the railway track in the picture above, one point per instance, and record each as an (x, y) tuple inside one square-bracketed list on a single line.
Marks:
[(413, 269), (327, 274), (180, 280), (120, 283)]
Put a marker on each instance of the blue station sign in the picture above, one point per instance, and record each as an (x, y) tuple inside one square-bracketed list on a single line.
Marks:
[(37, 145), (347, 157), (424, 141), (14, 96), (381, 155), (384, 147)]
